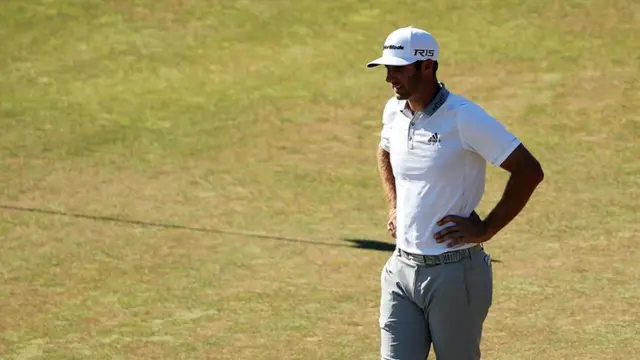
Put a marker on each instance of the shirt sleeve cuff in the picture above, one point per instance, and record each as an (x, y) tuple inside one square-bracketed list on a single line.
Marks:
[(506, 152)]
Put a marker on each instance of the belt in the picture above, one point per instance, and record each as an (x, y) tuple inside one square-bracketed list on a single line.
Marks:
[(446, 258)]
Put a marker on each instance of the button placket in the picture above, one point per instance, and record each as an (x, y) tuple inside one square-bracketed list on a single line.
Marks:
[(412, 131)]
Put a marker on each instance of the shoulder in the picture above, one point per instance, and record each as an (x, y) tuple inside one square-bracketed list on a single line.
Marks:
[(391, 108), (465, 110)]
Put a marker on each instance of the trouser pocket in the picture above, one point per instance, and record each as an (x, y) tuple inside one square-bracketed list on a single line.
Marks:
[(478, 277)]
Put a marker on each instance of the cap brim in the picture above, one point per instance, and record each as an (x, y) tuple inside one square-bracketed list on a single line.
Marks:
[(389, 60)]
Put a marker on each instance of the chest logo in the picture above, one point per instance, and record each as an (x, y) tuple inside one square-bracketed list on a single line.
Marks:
[(434, 139)]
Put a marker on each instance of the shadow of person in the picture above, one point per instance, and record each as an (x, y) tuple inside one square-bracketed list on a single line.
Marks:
[(372, 244)]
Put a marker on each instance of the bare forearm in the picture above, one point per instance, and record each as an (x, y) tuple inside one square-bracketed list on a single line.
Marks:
[(388, 180), (517, 193)]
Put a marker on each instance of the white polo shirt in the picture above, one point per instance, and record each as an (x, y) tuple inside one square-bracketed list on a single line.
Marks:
[(439, 158)]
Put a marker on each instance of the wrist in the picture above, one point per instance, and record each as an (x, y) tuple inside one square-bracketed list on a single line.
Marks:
[(489, 232)]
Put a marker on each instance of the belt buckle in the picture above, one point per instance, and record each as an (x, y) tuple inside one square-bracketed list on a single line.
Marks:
[(446, 257), (452, 256), (429, 260)]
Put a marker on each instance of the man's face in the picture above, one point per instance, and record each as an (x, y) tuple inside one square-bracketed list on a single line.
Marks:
[(405, 80)]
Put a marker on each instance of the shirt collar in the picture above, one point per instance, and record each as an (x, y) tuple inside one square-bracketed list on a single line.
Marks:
[(438, 100)]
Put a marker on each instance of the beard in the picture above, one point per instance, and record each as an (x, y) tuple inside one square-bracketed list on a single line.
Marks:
[(406, 90), (402, 93)]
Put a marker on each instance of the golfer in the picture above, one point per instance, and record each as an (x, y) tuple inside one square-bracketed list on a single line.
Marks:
[(437, 286)]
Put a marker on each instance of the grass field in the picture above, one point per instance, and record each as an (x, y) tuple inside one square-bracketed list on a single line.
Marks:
[(190, 179)]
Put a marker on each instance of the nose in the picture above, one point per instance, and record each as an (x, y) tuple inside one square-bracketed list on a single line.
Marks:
[(389, 76)]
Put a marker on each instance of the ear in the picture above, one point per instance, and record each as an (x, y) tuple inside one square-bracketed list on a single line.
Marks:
[(427, 65)]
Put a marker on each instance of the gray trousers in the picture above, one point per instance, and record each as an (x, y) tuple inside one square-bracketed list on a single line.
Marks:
[(444, 305)]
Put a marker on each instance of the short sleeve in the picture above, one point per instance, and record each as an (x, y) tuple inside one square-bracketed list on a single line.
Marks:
[(384, 136), (482, 133), (387, 118)]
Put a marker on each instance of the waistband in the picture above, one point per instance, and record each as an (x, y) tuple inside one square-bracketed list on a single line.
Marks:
[(445, 258)]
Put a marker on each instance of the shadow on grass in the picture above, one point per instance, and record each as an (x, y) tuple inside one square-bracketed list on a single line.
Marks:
[(366, 244), (372, 245), (166, 225), (360, 244)]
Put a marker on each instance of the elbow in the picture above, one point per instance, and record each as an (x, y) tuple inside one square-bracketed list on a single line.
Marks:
[(524, 166), (531, 174), (536, 173)]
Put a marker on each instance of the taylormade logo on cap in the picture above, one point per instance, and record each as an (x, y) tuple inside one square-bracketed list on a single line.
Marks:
[(406, 46)]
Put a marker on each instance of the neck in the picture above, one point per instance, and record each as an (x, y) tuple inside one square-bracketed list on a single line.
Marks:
[(423, 98)]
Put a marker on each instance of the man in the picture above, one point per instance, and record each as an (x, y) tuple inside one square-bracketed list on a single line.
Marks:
[(437, 286)]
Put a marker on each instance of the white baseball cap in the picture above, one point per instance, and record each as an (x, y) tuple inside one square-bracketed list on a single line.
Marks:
[(406, 46)]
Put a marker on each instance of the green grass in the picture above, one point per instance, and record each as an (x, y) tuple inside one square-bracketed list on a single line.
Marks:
[(258, 121)]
